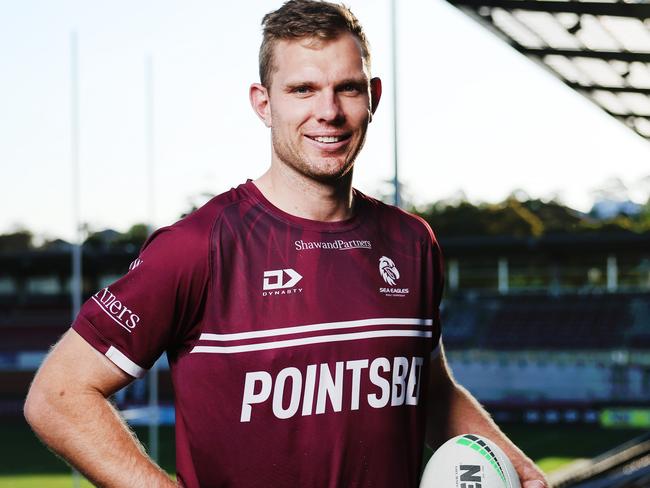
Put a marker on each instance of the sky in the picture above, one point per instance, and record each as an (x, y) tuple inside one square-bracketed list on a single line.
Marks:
[(475, 118)]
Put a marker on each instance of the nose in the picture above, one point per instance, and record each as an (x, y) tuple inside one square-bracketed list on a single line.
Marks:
[(328, 108)]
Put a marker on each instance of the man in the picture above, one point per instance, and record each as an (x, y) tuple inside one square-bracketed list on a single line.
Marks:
[(299, 316)]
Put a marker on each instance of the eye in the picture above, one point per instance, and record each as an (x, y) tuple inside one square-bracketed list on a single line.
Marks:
[(301, 90), (351, 88)]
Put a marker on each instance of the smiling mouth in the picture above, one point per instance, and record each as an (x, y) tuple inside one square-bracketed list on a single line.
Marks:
[(329, 139)]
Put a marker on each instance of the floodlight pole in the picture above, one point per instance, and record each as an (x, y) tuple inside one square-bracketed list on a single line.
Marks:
[(393, 24), (75, 288), (153, 372), (151, 196), (76, 282)]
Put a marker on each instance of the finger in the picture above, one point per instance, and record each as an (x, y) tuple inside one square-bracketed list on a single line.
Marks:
[(534, 484)]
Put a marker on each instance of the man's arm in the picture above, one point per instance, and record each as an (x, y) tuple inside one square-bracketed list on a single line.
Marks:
[(453, 411), (68, 409)]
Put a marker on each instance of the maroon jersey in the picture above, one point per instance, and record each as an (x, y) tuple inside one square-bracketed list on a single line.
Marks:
[(299, 350)]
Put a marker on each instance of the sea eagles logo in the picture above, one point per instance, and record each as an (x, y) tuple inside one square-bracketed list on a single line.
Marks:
[(388, 270), (390, 274)]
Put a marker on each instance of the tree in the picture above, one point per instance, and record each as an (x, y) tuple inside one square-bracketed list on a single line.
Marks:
[(111, 239), (20, 240), (135, 236), (555, 217), (509, 217)]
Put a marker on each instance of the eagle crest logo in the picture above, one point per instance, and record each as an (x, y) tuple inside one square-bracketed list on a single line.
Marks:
[(388, 270)]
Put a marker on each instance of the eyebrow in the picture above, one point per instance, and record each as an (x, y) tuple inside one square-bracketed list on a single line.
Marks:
[(361, 81), (354, 81)]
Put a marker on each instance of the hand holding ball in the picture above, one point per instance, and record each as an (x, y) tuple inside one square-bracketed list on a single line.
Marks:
[(469, 461)]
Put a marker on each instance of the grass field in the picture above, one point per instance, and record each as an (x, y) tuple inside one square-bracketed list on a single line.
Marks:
[(27, 464)]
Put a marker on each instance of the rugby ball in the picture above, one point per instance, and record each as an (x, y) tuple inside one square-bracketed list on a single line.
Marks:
[(469, 461)]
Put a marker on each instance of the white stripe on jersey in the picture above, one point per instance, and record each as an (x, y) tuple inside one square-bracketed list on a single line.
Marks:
[(124, 363), (348, 324), (310, 340)]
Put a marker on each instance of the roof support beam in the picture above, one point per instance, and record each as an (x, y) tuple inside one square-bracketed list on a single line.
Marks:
[(482, 10), (615, 9), (612, 89), (630, 57), (625, 117)]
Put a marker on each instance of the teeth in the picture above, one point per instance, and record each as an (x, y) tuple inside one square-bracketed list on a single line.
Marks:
[(327, 139)]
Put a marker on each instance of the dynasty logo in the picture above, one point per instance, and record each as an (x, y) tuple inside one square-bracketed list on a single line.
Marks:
[(276, 282)]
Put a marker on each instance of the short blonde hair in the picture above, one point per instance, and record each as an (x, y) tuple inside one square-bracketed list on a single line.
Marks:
[(298, 19)]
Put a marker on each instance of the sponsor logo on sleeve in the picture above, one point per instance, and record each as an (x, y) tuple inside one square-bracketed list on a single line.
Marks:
[(390, 275), (281, 282), (338, 245), (116, 309)]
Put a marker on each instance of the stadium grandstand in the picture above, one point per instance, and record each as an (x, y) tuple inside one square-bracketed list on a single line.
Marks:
[(560, 325), (566, 331), (546, 330), (556, 321)]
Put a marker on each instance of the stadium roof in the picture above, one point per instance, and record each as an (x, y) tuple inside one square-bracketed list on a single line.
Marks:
[(600, 49)]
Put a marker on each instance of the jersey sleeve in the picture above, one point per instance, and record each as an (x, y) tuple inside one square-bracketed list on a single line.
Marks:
[(434, 270), (438, 279), (134, 320)]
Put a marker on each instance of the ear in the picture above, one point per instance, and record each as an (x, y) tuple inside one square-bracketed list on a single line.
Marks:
[(259, 97), (375, 93)]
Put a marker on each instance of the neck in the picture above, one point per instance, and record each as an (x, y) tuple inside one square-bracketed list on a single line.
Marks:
[(304, 197)]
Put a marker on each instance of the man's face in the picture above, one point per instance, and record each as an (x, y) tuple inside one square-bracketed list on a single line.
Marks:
[(319, 105)]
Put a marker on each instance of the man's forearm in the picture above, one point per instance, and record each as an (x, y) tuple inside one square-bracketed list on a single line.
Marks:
[(458, 412), (92, 437), (462, 415), (67, 408)]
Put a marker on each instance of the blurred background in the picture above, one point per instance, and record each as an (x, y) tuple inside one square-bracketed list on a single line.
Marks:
[(517, 128)]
